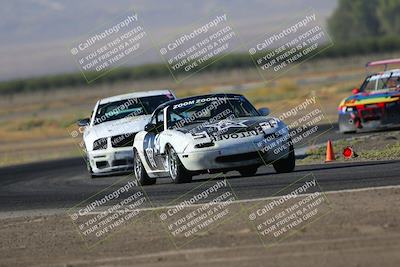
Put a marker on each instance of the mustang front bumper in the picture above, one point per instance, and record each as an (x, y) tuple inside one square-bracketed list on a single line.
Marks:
[(111, 160)]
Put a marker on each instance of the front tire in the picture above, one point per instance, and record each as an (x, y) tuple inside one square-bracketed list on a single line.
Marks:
[(286, 164), (248, 171), (140, 173), (176, 170), (90, 172)]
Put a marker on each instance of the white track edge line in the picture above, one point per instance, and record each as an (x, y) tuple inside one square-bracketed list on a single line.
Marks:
[(256, 199)]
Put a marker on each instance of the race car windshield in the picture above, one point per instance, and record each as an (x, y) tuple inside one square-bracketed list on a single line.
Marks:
[(128, 108), (209, 110), (382, 82)]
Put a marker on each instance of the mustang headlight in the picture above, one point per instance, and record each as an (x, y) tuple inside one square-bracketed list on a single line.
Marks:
[(100, 144)]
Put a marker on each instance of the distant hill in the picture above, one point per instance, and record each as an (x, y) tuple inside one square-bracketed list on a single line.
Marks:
[(35, 34)]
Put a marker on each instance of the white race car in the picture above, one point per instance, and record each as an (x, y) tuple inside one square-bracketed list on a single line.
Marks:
[(210, 133), (109, 133)]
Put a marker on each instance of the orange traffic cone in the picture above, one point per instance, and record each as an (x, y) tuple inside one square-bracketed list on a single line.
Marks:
[(330, 155)]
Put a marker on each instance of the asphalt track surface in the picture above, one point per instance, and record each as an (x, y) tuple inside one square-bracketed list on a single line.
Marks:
[(64, 183)]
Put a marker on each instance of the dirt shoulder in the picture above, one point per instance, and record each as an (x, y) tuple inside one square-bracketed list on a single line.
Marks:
[(363, 229), (373, 146)]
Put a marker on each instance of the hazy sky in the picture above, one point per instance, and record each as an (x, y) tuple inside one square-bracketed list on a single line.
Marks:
[(36, 34)]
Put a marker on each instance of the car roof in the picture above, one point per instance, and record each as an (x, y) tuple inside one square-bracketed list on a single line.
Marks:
[(135, 95), (179, 100)]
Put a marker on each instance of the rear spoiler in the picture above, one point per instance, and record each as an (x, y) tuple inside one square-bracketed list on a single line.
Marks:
[(383, 62)]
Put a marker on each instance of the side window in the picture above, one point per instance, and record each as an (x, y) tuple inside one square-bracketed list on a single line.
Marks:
[(154, 119), (158, 119)]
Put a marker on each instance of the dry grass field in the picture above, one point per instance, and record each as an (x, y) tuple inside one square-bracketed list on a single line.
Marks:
[(35, 126)]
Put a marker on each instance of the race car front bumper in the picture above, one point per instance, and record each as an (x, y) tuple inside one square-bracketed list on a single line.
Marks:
[(111, 160), (370, 117), (230, 158)]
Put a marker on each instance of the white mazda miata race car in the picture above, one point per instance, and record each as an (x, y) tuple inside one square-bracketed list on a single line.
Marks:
[(108, 135), (210, 133)]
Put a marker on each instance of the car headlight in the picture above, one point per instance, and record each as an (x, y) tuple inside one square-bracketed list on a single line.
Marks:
[(347, 109), (203, 145), (270, 124), (100, 144)]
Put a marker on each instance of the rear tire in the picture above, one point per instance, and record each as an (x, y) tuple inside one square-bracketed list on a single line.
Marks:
[(176, 170), (248, 171), (140, 173), (286, 164)]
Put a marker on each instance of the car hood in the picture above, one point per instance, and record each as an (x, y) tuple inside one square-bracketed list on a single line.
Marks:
[(259, 125), (117, 127), (372, 98)]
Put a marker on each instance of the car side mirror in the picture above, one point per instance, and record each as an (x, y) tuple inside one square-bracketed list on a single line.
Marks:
[(264, 111), (355, 91), (150, 127), (83, 122)]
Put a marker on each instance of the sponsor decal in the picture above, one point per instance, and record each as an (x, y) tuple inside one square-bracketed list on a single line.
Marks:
[(150, 157), (226, 124), (267, 125), (220, 137), (151, 147), (200, 135), (199, 100), (222, 126)]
